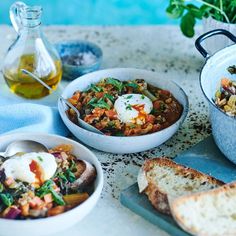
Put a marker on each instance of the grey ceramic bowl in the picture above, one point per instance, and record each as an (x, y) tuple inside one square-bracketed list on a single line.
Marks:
[(215, 68), (71, 49)]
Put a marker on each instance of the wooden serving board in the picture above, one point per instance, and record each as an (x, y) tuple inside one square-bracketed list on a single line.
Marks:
[(205, 157)]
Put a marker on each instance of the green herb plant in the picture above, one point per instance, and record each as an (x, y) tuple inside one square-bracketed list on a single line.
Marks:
[(220, 10)]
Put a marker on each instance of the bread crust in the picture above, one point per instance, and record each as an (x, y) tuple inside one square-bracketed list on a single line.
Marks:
[(181, 169), (181, 200), (157, 197)]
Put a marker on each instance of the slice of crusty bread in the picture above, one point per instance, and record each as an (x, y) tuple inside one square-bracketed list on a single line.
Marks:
[(210, 213), (161, 178)]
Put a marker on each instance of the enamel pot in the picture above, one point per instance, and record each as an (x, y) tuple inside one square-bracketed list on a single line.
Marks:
[(215, 68)]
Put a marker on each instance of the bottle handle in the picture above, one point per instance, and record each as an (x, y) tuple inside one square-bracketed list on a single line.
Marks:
[(15, 15)]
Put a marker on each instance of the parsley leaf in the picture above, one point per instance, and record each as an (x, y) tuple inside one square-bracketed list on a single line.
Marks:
[(187, 24), (62, 177), (128, 107), (6, 198), (40, 158), (109, 96), (130, 96), (57, 197), (133, 85), (93, 100), (116, 83), (101, 104), (223, 11), (70, 176), (96, 88), (46, 188)]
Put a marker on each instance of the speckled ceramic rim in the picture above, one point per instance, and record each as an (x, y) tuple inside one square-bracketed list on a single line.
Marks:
[(98, 189), (200, 80), (180, 120), (81, 42)]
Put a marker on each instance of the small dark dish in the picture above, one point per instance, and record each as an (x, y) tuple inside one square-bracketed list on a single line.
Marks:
[(78, 58)]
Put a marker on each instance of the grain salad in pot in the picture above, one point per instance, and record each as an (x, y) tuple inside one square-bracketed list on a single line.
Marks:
[(225, 96)]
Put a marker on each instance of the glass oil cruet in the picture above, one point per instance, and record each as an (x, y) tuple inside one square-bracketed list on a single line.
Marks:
[(30, 51)]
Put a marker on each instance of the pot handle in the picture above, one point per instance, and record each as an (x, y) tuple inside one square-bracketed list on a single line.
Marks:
[(209, 34)]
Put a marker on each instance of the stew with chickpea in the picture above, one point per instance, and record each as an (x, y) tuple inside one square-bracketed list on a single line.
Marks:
[(125, 108)]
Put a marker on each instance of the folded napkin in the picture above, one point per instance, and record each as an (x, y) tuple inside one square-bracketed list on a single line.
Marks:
[(27, 117)]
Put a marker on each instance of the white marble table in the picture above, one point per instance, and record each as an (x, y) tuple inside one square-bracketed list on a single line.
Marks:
[(159, 48)]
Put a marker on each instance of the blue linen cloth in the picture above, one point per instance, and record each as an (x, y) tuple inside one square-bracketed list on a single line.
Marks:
[(28, 117)]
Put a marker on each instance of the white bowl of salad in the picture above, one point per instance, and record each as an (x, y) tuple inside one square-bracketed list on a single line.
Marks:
[(42, 193)]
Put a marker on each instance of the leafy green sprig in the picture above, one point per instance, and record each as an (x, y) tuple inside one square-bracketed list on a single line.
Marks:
[(220, 10), (116, 83), (46, 188), (6, 198), (99, 103)]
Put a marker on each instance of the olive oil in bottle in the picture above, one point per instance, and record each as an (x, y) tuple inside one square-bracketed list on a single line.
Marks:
[(25, 86), (30, 51)]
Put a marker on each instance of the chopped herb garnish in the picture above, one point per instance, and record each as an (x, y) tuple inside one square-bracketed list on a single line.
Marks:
[(232, 69), (96, 88), (46, 188), (57, 197), (6, 198), (130, 96), (73, 166), (93, 100), (62, 177), (128, 107), (110, 97), (133, 85), (101, 104), (142, 96), (116, 83), (70, 176), (40, 158)]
